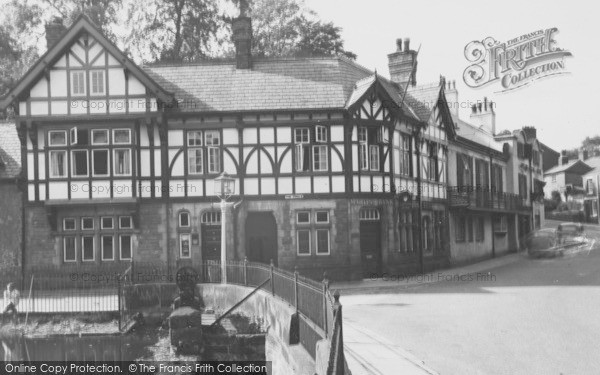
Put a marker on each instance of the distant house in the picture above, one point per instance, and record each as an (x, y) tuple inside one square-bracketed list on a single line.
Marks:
[(549, 156), (591, 182), (10, 195), (567, 179)]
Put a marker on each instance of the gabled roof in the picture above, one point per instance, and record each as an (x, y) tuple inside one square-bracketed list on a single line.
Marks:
[(424, 98), (574, 166), (10, 151), (81, 24)]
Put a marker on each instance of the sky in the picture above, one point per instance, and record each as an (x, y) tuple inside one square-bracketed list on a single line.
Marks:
[(562, 108)]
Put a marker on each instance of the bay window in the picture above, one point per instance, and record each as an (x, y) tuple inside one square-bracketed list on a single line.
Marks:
[(79, 163), (100, 163), (122, 159), (58, 164)]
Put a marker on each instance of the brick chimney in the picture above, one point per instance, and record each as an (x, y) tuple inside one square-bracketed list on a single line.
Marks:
[(54, 30), (563, 158), (484, 116), (242, 38), (530, 132), (401, 63), (583, 154), (452, 97)]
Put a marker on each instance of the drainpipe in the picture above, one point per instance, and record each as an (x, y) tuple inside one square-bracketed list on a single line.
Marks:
[(531, 192), (235, 225), (492, 193)]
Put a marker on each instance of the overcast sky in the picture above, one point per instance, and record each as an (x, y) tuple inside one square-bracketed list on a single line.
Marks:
[(562, 108)]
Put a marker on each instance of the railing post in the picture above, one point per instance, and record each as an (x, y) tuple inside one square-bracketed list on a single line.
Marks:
[(272, 279), (246, 271), (119, 299), (325, 289), (296, 288), (340, 360)]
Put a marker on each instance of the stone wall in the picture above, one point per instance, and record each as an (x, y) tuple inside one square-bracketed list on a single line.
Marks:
[(10, 224)]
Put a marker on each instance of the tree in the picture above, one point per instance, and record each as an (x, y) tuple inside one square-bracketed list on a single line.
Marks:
[(104, 13), (172, 30), (288, 28)]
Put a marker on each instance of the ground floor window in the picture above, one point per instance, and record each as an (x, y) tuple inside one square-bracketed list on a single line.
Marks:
[(322, 241), (108, 248), (406, 238), (87, 248), (69, 249), (479, 229), (303, 241), (184, 246), (460, 228), (125, 247)]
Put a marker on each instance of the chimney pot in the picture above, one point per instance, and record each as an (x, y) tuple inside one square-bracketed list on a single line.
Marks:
[(402, 64), (407, 44), (54, 30), (479, 107), (399, 45)]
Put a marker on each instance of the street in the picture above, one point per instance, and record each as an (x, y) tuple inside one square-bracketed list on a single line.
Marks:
[(534, 316)]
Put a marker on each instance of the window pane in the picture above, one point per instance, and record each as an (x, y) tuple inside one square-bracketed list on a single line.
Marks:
[(125, 246), (320, 158), (195, 138), (125, 222), (87, 223), (58, 163), (99, 137), (100, 160), (322, 217), (362, 134), (195, 161), (122, 162), (323, 241), (214, 160), (107, 223), (122, 136), (69, 224), (107, 248), (363, 156), (79, 163), (213, 138), (303, 217), (69, 249), (301, 135), (184, 219), (374, 152), (303, 242), (57, 138), (87, 248), (97, 82)]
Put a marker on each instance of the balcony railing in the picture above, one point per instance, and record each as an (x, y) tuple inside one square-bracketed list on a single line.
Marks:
[(485, 198)]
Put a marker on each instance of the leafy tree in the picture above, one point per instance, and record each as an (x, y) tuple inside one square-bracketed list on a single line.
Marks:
[(591, 141), (173, 30), (104, 13)]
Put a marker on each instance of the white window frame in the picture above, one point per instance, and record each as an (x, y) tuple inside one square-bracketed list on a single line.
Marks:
[(198, 132), (73, 164), (96, 72), (64, 132), (82, 73), (181, 238), (130, 222), (298, 242), (112, 220), (324, 155), (189, 219), (94, 174), (211, 218), (369, 214), (85, 218), (363, 156), (194, 150), (320, 133), (102, 246), (590, 186), (105, 131), (317, 241), (298, 217), (114, 138), (74, 223), (303, 132), (212, 166), (83, 248), (64, 163), (317, 217), (121, 247), (115, 169), (211, 133), (65, 249)]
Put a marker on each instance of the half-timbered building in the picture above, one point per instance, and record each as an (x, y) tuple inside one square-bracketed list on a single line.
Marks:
[(120, 159)]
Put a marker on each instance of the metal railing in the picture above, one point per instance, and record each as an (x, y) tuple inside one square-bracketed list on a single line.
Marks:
[(483, 197)]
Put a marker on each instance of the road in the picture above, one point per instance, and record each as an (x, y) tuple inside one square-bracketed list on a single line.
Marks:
[(534, 316)]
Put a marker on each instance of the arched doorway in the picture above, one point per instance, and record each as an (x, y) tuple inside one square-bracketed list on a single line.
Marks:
[(370, 241), (261, 237)]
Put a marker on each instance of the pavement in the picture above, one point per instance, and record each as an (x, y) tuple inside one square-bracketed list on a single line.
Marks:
[(368, 353), (391, 282)]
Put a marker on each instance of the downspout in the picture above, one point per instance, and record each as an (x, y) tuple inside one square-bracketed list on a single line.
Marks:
[(492, 192), (235, 224)]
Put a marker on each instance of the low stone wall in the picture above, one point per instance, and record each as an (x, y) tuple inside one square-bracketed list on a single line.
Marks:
[(276, 317)]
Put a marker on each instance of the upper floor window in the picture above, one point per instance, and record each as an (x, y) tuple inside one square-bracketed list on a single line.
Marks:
[(57, 138), (405, 155), (523, 186), (464, 170), (196, 154), (321, 133), (194, 138), (590, 186), (302, 144), (121, 136), (184, 219), (122, 158), (78, 82), (369, 148), (99, 137), (431, 163), (308, 152), (58, 164), (97, 81), (497, 183)]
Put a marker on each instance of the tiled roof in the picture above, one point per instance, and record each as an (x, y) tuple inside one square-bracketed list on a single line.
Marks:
[(593, 162), (10, 151), (570, 165), (271, 84), (423, 99)]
